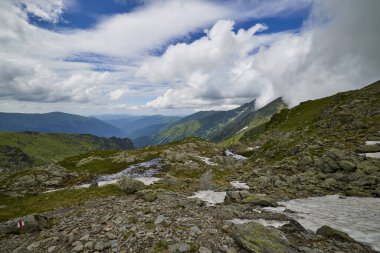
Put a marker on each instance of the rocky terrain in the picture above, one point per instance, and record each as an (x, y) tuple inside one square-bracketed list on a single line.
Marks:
[(207, 198), (171, 222)]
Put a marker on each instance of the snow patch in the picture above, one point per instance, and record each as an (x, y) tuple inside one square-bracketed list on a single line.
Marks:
[(358, 217), (210, 197), (144, 169), (372, 142), (207, 161), (373, 155), (239, 185), (233, 155), (242, 130)]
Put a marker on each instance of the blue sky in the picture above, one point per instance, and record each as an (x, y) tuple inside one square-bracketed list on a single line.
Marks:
[(175, 57)]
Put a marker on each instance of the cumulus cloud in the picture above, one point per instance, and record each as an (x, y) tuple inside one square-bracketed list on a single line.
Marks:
[(336, 50)]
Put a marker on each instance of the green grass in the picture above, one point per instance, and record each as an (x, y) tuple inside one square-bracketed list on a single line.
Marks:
[(52, 147), (16, 207)]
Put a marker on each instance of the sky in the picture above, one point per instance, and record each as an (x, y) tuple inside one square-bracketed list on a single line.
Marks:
[(176, 57)]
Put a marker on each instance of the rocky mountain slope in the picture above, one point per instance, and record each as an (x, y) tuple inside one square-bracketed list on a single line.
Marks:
[(20, 150), (57, 122), (219, 125), (204, 197)]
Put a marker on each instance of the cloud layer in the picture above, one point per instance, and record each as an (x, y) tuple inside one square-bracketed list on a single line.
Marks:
[(336, 50), (110, 66)]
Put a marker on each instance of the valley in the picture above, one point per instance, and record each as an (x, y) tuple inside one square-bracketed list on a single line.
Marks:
[(216, 190)]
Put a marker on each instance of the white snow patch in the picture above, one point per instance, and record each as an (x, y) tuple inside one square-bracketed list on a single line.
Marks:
[(207, 161), (372, 142), (210, 197), (233, 155), (373, 155), (239, 185), (242, 130), (358, 217), (148, 180)]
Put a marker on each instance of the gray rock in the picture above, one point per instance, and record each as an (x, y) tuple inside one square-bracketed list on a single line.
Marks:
[(305, 161), (130, 185), (204, 250), (78, 248), (347, 166), (111, 236), (256, 238), (368, 148), (52, 249), (159, 219), (89, 245), (333, 233), (26, 224), (180, 247)]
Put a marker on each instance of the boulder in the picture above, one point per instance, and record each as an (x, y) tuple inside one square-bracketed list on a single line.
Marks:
[(147, 195), (256, 238), (369, 148), (26, 224), (305, 161), (259, 200), (347, 166), (333, 233), (130, 185)]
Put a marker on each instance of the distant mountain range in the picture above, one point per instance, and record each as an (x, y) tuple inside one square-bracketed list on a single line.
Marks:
[(219, 125), (57, 122)]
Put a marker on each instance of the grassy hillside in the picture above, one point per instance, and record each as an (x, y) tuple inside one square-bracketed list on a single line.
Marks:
[(346, 119), (50, 147), (219, 125), (233, 131), (57, 122)]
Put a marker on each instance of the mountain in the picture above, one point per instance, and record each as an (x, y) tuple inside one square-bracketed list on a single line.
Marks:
[(247, 120), (141, 129), (57, 122), (19, 150), (134, 126), (218, 125)]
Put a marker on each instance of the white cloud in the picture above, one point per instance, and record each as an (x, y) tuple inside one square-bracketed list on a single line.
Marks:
[(336, 50)]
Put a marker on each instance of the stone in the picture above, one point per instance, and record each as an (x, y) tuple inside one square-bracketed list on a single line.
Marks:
[(78, 248), (130, 185), (89, 245), (347, 166), (52, 249), (369, 148), (305, 161), (111, 236), (33, 246), (26, 224), (333, 233), (147, 195), (256, 238), (99, 246), (231, 250), (195, 230), (159, 219), (180, 247), (204, 250), (259, 200)]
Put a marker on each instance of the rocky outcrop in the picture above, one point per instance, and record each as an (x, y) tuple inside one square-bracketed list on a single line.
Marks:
[(333, 233), (130, 185), (246, 197), (256, 238), (26, 224), (36, 180)]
